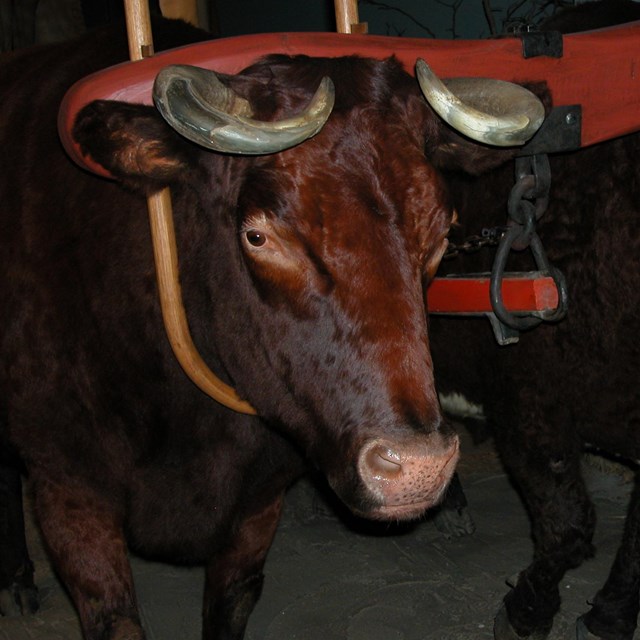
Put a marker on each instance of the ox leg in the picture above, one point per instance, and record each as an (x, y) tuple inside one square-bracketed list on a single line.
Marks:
[(563, 522), (18, 594), (84, 536), (614, 611), (234, 576)]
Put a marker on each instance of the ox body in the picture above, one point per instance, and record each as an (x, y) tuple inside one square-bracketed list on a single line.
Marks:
[(303, 274), (562, 386)]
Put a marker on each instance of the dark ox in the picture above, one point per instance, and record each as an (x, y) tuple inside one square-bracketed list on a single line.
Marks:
[(303, 274), (567, 384)]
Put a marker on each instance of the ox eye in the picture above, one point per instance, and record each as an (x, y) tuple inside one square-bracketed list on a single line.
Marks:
[(255, 238)]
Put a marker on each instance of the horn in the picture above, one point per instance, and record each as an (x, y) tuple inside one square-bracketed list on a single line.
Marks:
[(499, 113), (200, 107)]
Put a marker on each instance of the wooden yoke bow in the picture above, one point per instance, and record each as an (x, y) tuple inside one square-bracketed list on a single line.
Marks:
[(165, 250)]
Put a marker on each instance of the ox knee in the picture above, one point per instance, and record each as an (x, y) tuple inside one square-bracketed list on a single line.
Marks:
[(86, 544), (234, 575)]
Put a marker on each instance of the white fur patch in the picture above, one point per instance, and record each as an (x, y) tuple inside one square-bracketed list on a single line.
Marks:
[(457, 405)]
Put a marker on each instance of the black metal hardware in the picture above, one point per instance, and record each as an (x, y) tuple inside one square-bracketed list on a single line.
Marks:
[(560, 131), (528, 201), (489, 237), (541, 43)]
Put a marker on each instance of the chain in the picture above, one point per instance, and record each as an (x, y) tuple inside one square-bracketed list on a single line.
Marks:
[(528, 201), (489, 237)]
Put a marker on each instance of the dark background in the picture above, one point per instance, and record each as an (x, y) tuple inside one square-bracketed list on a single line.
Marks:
[(25, 22)]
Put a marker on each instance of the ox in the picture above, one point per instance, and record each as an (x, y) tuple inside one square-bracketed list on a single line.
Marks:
[(565, 385), (303, 271)]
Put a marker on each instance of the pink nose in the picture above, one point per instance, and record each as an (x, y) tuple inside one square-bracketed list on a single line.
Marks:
[(407, 478)]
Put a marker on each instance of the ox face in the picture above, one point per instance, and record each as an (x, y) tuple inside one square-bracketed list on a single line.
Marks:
[(316, 266), (338, 249)]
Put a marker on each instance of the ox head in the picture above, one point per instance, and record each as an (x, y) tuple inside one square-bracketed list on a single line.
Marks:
[(322, 218)]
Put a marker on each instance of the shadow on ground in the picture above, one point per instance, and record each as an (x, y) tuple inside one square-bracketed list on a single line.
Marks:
[(328, 579)]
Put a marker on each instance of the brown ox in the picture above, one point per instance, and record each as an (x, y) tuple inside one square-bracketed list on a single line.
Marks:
[(568, 384), (303, 274)]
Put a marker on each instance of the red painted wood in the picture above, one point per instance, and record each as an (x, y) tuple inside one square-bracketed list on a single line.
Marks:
[(471, 294), (600, 70)]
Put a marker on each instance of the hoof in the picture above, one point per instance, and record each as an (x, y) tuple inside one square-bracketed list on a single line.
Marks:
[(18, 600), (454, 523), (502, 629), (582, 633)]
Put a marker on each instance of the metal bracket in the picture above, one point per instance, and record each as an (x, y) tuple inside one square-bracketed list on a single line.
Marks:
[(542, 43), (560, 131)]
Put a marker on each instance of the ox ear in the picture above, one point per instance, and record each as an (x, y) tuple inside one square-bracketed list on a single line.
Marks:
[(134, 144), (448, 150)]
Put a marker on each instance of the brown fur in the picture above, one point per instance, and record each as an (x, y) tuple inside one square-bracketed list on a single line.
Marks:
[(322, 328), (563, 384)]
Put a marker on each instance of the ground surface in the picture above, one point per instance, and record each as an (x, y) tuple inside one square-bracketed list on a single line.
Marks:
[(329, 580)]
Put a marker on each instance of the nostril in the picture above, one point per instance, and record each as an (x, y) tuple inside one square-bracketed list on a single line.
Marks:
[(404, 477), (384, 463)]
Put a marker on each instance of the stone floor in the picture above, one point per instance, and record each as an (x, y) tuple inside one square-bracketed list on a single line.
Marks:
[(329, 578)]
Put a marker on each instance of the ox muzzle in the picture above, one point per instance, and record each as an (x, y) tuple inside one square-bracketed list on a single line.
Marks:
[(407, 478), (401, 478)]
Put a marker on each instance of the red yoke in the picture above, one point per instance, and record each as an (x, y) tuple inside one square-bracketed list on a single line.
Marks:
[(599, 70)]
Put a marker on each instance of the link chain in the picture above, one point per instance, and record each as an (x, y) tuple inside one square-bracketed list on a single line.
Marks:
[(527, 203), (489, 237)]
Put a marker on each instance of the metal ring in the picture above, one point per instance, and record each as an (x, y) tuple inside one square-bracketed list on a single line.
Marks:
[(563, 297), (495, 286), (520, 189), (525, 320)]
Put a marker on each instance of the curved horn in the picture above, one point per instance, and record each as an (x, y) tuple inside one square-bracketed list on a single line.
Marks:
[(492, 111), (204, 110)]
